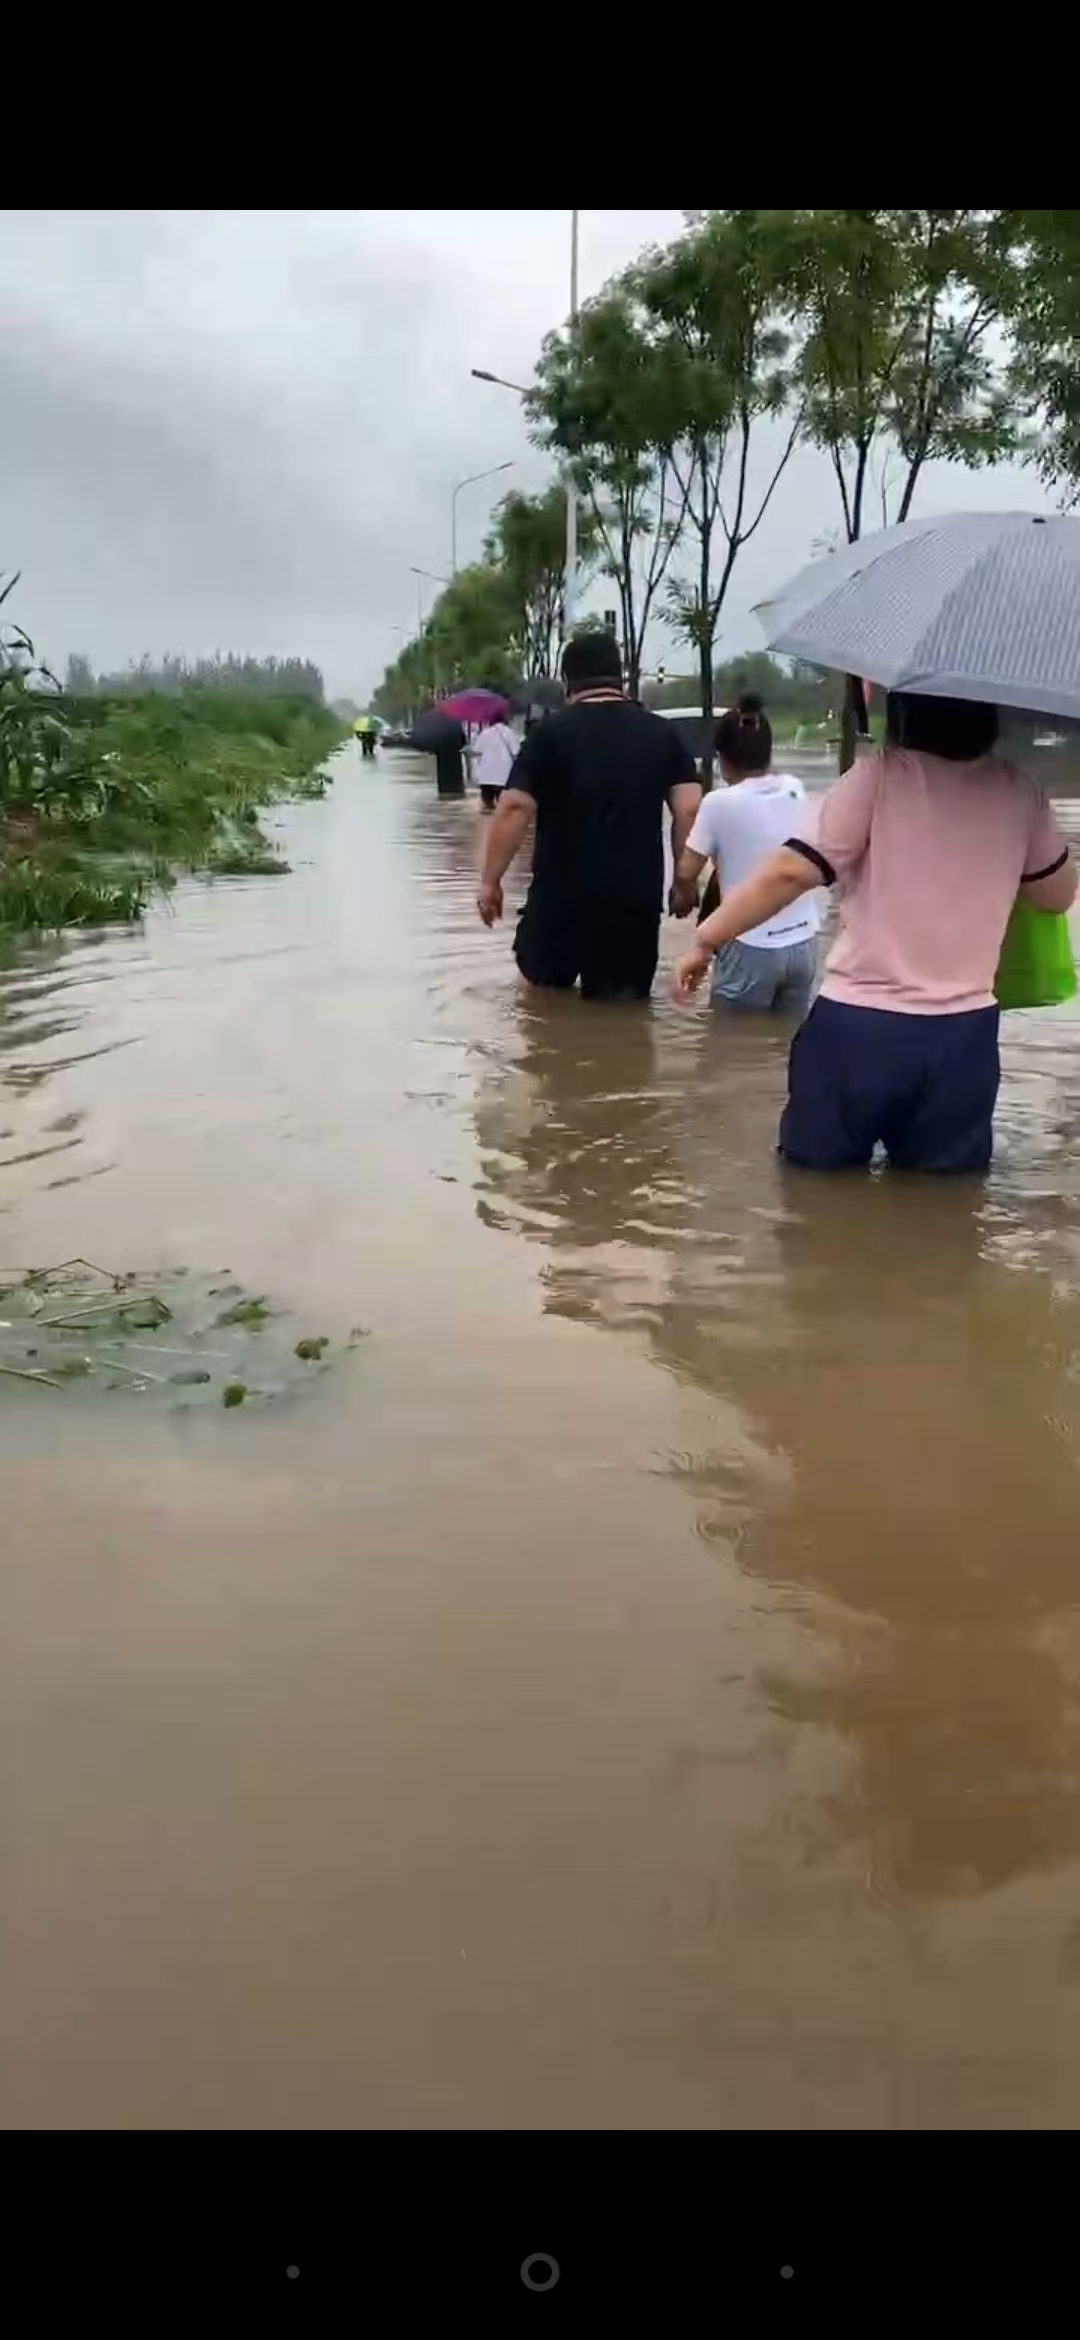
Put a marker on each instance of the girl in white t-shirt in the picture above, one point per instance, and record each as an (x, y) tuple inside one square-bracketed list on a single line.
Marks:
[(772, 968)]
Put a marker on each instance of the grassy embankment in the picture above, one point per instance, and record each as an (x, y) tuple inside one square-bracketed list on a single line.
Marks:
[(105, 801)]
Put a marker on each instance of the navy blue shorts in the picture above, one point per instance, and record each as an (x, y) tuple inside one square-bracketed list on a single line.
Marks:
[(924, 1086)]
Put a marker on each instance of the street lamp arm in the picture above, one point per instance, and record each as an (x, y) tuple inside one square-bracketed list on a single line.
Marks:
[(475, 475), (491, 473), (480, 374)]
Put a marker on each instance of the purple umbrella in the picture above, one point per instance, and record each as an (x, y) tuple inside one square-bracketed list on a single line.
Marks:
[(474, 705)]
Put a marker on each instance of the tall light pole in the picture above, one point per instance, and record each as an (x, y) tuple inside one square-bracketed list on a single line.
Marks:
[(480, 374), (473, 477), (570, 581), (432, 579)]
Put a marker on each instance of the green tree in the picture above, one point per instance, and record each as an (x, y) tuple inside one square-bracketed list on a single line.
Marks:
[(712, 308), (1044, 372), (603, 404), (468, 637), (898, 310), (471, 630), (527, 546), (406, 686)]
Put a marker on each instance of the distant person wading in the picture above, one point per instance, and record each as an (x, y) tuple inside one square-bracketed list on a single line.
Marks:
[(492, 761), (450, 762), (928, 845), (596, 776)]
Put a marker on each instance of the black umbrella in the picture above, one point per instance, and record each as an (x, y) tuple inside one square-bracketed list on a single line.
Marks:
[(541, 696), (433, 731)]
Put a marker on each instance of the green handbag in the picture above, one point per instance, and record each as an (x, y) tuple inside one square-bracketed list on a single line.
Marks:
[(1036, 967)]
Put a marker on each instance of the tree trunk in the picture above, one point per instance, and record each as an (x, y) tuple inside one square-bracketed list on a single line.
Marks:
[(706, 638), (705, 650)]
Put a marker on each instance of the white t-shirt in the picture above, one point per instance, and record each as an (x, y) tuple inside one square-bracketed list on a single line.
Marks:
[(494, 754), (737, 826)]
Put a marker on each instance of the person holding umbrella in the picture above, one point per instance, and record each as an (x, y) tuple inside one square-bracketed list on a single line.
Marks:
[(928, 844), (935, 846), (440, 735), (475, 705)]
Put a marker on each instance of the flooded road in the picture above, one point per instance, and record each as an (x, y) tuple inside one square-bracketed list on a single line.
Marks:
[(642, 1686)]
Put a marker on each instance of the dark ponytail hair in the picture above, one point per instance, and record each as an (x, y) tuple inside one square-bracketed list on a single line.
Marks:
[(744, 736)]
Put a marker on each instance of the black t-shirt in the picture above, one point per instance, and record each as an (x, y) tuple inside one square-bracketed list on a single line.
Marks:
[(600, 772)]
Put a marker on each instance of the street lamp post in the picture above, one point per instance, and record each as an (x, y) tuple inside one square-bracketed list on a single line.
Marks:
[(433, 579), (480, 374), (473, 477), (570, 583)]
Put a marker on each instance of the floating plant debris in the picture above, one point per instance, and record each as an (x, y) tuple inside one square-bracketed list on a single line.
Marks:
[(78, 1326)]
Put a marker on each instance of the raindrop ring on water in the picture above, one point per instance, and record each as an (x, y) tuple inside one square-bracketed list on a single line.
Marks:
[(540, 2272)]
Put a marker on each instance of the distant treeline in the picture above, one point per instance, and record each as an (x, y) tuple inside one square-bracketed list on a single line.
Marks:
[(254, 678), (803, 691)]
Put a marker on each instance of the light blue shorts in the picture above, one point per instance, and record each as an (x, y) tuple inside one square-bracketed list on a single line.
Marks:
[(756, 981)]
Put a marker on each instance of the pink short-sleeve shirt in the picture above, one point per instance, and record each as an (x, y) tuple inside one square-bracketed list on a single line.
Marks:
[(928, 857)]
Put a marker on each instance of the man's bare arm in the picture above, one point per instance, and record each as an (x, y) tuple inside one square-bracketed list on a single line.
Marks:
[(685, 802), (689, 866), (504, 836), (683, 897)]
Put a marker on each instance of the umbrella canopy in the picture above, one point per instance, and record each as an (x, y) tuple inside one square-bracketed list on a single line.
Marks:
[(474, 705), (544, 693), (367, 723), (435, 730), (970, 605)]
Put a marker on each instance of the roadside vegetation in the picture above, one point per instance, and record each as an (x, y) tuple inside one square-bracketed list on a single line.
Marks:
[(109, 792)]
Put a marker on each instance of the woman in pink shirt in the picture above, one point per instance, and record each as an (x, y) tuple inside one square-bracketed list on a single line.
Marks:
[(928, 845)]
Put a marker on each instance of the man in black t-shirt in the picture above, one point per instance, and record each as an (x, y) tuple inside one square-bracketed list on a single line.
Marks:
[(597, 776)]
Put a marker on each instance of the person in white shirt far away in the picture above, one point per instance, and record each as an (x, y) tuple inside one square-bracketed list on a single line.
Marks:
[(771, 969), (492, 760)]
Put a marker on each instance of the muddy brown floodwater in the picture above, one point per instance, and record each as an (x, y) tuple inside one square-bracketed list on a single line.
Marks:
[(642, 1685)]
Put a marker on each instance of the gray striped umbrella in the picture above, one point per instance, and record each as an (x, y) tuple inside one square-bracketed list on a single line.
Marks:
[(969, 605)]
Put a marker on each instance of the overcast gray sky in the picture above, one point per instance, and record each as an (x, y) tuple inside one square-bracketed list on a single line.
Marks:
[(238, 429)]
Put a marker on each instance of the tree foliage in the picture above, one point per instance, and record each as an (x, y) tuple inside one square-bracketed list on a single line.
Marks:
[(900, 355), (470, 630), (712, 309), (498, 621), (603, 404), (899, 352), (527, 545), (889, 339), (1044, 373)]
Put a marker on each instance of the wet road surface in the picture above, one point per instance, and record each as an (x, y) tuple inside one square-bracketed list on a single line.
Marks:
[(643, 1689)]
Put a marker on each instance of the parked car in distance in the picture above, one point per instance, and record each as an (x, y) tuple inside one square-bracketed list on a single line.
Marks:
[(697, 731)]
